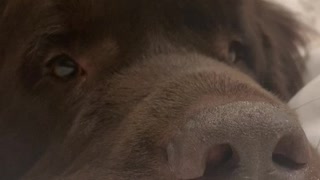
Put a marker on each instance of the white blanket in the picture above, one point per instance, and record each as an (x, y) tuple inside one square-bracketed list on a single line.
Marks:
[(307, 105)]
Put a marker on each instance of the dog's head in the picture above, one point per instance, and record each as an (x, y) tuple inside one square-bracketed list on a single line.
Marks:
[(121, 89)]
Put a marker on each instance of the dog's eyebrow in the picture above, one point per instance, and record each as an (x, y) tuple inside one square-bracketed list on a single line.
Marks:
[(57, 18), (50, 34), (50, 24), (60, 22)]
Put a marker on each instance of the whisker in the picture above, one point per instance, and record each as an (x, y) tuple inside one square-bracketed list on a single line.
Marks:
[(309, 102)]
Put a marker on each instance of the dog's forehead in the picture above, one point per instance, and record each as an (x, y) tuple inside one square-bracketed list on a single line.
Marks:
[(79, 13), (123, 20), (128, 23)]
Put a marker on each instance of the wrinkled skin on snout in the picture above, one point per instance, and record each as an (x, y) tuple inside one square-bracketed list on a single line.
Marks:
[(150, 90)]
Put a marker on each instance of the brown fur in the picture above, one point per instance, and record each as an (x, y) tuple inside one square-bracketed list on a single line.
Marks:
[(148, 66)]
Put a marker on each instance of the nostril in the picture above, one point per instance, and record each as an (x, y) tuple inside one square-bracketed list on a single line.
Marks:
[(291, 152), (217, 157), (287, 162)]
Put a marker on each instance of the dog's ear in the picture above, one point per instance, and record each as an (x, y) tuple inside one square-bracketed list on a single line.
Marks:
[(276, 37)]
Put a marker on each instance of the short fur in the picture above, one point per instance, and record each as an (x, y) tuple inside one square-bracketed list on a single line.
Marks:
[(144, 63)]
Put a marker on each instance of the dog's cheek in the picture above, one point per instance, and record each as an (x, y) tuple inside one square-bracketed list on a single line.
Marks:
[(24, 136)]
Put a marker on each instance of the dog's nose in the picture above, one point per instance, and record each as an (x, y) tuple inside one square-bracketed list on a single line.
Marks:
[(241, 140)]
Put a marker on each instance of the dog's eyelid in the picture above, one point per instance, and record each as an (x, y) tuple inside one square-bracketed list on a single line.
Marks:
[(41, 44)]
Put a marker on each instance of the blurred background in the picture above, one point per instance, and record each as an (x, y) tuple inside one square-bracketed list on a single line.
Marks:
[(309, 12), (307, 102)]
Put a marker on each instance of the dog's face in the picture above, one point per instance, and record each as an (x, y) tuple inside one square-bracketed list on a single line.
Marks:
[(121, 89)]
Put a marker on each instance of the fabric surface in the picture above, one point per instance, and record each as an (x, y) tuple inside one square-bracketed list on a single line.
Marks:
[(307, 105)]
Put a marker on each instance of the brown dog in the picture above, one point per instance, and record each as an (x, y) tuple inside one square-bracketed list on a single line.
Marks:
[(150, 89)]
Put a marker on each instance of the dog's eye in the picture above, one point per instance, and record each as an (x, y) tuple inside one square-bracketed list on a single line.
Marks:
[(237, 52), (63, 67)]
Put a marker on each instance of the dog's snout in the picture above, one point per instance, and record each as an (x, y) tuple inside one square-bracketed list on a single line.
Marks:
[(237, 141)]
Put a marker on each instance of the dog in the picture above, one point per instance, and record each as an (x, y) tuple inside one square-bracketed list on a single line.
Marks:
[(121, 89)]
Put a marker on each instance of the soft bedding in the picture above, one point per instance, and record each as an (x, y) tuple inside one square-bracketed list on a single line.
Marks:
[(307, 105)]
